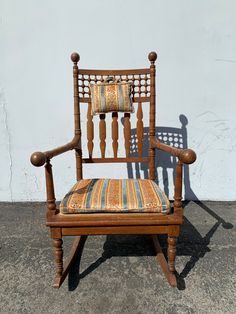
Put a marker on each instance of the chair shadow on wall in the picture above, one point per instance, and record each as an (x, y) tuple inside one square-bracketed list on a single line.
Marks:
[(190, 243)]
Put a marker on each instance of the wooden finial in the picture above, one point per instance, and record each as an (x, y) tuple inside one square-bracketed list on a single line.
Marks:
[(152, 57), (75, 57), (38, 159)]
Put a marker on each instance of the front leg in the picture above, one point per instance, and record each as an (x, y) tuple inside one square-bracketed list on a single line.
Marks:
[(171, 253), (62, 269), (58, 257)]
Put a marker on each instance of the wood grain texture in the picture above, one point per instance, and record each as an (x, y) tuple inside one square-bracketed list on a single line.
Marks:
[(115, 72), (114, 126), (58, 256), (127, 133), (90, 131), (178, 186), (152, 116), (51, 200), (186, 156), (85, 220), (78, 150), (163, 263), (171, 251), (115, 230), (140, 129), (102, 134), (113, 159), (75, 248)]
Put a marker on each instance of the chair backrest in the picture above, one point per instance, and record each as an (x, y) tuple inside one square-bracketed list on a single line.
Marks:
[(143, 92)]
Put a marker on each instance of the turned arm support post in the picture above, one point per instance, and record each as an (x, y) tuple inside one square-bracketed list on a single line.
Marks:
[(185, 156), (51, 205), (39, 159), (178, 186)]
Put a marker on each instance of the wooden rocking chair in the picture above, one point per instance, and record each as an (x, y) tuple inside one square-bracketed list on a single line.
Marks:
[(104, 215)]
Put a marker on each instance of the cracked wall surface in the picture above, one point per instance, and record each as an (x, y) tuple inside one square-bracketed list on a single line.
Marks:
[(6, 156), (196, 74)]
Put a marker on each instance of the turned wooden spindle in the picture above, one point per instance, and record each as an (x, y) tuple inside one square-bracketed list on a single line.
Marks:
[(146, 84), (78, 151), (127, 133), (51, 204), (140, 129), (171, 252), (114, 126), (102, 134), (178, 186), (139, 85), (90, 131), (58, 256), (152, 115)]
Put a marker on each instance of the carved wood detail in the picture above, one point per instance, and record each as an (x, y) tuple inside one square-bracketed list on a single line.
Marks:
[(140, 129), (127, 133), (140, 79), (51, 205), (115, 133), (78, 151), (58, 256), (152, 115), (178, 186), (171, 253), (102, 134), (90, 131)]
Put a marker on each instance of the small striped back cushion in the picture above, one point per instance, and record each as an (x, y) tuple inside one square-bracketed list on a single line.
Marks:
[(111, 97)]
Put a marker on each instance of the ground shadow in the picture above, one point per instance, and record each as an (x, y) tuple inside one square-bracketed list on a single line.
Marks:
[(176, 137), (190, 243)]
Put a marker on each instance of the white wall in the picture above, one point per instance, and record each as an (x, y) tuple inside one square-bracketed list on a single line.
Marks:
[(196, 45)]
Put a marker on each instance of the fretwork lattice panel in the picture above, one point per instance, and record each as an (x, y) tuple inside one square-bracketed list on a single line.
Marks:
[(140, 83)]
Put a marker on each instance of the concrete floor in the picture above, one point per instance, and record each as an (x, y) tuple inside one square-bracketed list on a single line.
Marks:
[(119, 274)]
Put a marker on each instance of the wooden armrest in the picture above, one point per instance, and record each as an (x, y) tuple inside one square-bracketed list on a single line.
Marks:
[(186, 156), (38, 159)]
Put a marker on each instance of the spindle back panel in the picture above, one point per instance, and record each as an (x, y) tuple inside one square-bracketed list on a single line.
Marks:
[(140, 79)]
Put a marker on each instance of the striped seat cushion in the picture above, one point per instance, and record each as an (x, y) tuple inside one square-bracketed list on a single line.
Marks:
[(115, 195)]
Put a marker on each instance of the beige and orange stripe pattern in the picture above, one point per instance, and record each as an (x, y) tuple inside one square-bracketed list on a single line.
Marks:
[(111, 97), (115, 195)]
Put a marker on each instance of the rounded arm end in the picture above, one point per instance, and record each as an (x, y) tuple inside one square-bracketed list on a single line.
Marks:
[(38, 159), (187, 156)]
